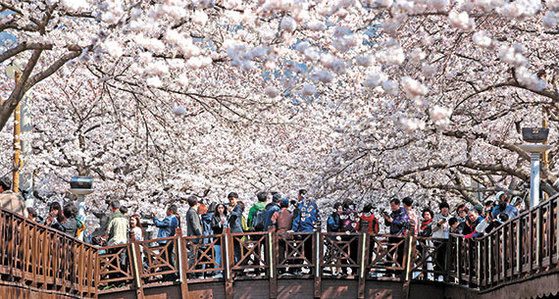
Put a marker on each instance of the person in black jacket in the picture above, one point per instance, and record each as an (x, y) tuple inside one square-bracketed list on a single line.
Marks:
[(193, 228), (219, 222)]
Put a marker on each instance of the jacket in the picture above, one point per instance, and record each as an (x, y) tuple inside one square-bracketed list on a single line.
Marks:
[(236, 219), (166, 227), (193, 224), (399, 223), (307, 217), (440, 230), (70, 227), (333, 223), (271, 208), (509, 210), (372, 223), (117, 230), (252, 212)]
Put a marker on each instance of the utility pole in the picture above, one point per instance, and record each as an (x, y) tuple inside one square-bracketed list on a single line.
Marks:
[(14, 72)]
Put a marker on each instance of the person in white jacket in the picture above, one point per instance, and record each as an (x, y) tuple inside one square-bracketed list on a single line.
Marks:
[(440, 231)]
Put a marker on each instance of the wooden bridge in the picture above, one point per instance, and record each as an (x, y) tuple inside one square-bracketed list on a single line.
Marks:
[(518, 259)]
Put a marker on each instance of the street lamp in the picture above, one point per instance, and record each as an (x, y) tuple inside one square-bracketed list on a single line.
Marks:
[(81, 186), (536, 136)]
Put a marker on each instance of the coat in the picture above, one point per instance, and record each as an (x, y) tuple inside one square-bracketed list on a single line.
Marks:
[(166, 227), (193, 224), (307, 217)]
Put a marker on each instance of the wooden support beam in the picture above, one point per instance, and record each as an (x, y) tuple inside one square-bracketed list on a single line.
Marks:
[(228, 262), (183, 264), (409, 243), (362, 260)]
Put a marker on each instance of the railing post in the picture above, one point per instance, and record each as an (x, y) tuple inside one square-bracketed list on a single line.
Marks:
[(272, 260), (362, 261), (408, 251), (317, 257), (182, 263), (519, 246), (228, 259), (458, 261), (135, 265), (538, 238)]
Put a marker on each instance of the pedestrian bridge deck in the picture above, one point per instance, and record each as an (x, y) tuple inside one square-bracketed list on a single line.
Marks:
[(518, 259)]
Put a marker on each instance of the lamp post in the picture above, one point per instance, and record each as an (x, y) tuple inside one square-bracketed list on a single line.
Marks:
[(535, 136), (81, 186), (14, 72)]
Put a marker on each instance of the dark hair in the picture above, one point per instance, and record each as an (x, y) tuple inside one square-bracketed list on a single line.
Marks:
[(70, 210), (173, 208), (428, 211), (31, 211), (242, 204), (443, 204), (284, 203), (192, 201), (276, 197), (367, 208), (337, 205), (488, 203), (302, 192), (216, 213), (212, 206), (293, 202), (59, 215), (123, 210), (138, 222), (115, 204), (503, 217), (407, 201), (452, 220), (262, 196), (5, 184), (395, 201), (462, 207), (232, 195)]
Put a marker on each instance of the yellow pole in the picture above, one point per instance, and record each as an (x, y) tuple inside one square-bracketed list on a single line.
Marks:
[(17, 142), (545, 156)]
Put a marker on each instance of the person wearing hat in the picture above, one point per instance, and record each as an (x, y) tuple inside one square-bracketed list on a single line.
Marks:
[(271, 209), (10, 200), (503, 207)]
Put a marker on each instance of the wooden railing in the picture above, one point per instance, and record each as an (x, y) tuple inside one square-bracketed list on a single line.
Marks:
[(523, 247), (38, 257), (35, 256)]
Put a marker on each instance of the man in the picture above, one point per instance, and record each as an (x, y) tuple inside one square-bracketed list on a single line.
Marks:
[(11, 201), (117, 230), (305, 221), (412, 215), (256, 214), (503, 207), (167, 226), (398, 223), (117, 226), (271, 209), (474, 219), (463, 219), (282, 221), (193, 223), (235, 222), (441, 229)]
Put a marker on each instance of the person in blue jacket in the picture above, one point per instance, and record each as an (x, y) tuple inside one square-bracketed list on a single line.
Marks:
[(305, 222)]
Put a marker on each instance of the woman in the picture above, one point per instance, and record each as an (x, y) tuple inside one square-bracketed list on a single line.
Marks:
[(55, 217), (425, 229), (333, 225), (368, 217), (136, 227), (219, 222), (70, 223)]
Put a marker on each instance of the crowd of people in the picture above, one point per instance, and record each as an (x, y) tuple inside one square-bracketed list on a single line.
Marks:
[(274, 212)]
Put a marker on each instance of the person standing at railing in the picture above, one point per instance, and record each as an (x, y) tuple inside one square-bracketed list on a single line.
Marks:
[(70, 223), (333, 225), (441, 229), (271, 209), (10, 200), (218, 224), (282, 221), (398, 223), (167, 228), (474, 219), (503, 207), (193, 229), (412, 215), (118, 227), (55, 216), (136, 227), (235, 221), (306, 222)]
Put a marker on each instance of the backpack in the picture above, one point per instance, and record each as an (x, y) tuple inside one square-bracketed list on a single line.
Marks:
[(258, 220)]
